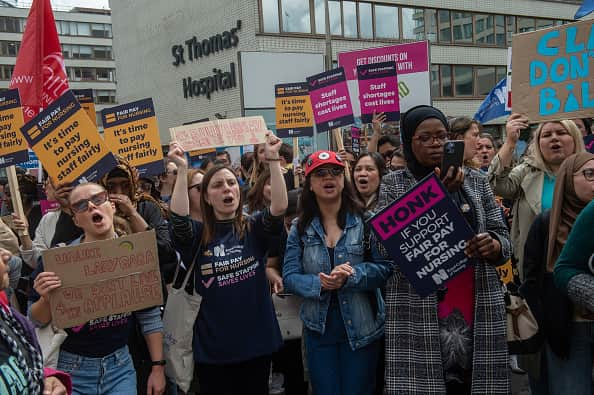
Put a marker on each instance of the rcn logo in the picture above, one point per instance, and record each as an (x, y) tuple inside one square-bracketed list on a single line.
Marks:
[(440, 277)]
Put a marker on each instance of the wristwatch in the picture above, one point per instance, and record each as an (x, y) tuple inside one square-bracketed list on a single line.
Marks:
[(159, 363)]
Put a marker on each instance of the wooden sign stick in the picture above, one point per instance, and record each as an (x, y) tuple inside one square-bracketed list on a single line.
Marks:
[(295, 156), (15, 195), (340, 145)]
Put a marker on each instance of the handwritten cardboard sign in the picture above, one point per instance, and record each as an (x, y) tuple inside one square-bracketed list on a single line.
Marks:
[(105, 277), (294, 116), (553, 72), (67, 143), (425, 234), (330, 100), (13, 146), (221, 133), (378, 91), (131, 131), (85, 98)]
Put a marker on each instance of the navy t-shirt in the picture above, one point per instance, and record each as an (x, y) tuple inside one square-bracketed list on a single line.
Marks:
[(236, 321)]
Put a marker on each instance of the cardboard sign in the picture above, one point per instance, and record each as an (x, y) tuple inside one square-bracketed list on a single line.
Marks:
[(105, 277), (412, 65), (67, 143), (13, 146), (553, 72), (85, 98), (221, 133), (330, 100), (378, 91), (294, 116), (131, 131), (425, 234), (589, 143)]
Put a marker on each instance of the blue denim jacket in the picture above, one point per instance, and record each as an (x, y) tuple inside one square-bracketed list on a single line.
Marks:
[(360, 298)]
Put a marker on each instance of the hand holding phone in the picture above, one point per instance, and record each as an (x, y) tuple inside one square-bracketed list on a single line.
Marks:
[(453, 155)]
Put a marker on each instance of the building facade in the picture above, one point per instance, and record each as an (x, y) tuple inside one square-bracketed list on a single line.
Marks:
[(86, 39), (468, 45)]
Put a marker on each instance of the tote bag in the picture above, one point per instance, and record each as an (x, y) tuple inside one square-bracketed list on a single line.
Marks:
[(180, 314)]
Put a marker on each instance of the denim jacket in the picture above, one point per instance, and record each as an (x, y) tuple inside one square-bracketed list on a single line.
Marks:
[(360, 298)]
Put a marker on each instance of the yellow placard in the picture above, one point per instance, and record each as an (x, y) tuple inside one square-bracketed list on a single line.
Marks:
[(131, 130), (13, 146), (67, 143)]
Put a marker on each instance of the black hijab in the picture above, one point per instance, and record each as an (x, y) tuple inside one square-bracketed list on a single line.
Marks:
[(409, 122)]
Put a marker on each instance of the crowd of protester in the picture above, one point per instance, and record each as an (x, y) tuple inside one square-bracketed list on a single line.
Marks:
[(299, 234)]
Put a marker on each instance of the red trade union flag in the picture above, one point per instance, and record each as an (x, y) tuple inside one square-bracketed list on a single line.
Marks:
[(39, 73)]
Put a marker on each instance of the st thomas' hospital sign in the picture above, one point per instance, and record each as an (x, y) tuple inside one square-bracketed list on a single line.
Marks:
[(194, 49)]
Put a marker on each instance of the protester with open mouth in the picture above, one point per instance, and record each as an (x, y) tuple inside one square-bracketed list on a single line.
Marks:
[(96, 353), (368, 172), (485, 151), (331, 263), (454, 340), (531, 183), (236, 330)]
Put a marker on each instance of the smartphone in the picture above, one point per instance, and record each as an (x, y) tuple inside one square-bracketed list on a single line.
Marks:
[(453, 155)]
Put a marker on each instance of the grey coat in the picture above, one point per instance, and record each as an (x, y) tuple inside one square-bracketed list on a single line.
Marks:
[(413, 348)]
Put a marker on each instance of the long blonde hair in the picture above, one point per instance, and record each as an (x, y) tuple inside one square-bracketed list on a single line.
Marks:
[(535, 154)]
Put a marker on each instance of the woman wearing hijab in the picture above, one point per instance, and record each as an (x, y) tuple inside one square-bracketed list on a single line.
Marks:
[(452, 341), (567, 361)]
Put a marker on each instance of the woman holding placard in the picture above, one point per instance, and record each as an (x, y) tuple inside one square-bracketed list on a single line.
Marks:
[(454, 340), (331, 263), (96, 354), (531, 183), (236, 330)]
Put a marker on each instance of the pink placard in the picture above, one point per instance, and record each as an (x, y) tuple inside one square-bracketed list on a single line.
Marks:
[(48, 205), (378, 91), (409, 58), (330, 100), (411, 206)]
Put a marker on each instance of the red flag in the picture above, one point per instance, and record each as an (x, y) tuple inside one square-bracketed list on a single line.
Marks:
[(39, 73)]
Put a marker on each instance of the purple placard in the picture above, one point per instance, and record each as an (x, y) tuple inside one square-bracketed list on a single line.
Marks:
[(425, 234), (378, 91), (330, 100)]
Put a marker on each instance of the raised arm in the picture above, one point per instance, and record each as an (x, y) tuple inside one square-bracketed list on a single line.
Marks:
[(279, 200), (180, 202)]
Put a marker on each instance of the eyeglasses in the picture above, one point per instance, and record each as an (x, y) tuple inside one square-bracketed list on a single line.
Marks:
[(428, 139), (333, 171), (197, 186), (83, 205), (174, 172), (588, 174)]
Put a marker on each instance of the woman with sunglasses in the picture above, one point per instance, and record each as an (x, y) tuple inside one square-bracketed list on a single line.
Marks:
[(454, 340), (236, 330), (96, 353), (330, 262)]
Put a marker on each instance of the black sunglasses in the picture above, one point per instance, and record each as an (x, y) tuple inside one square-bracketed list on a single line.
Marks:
[(333, 171), (83, 205), (197, 186), (389, 154)]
